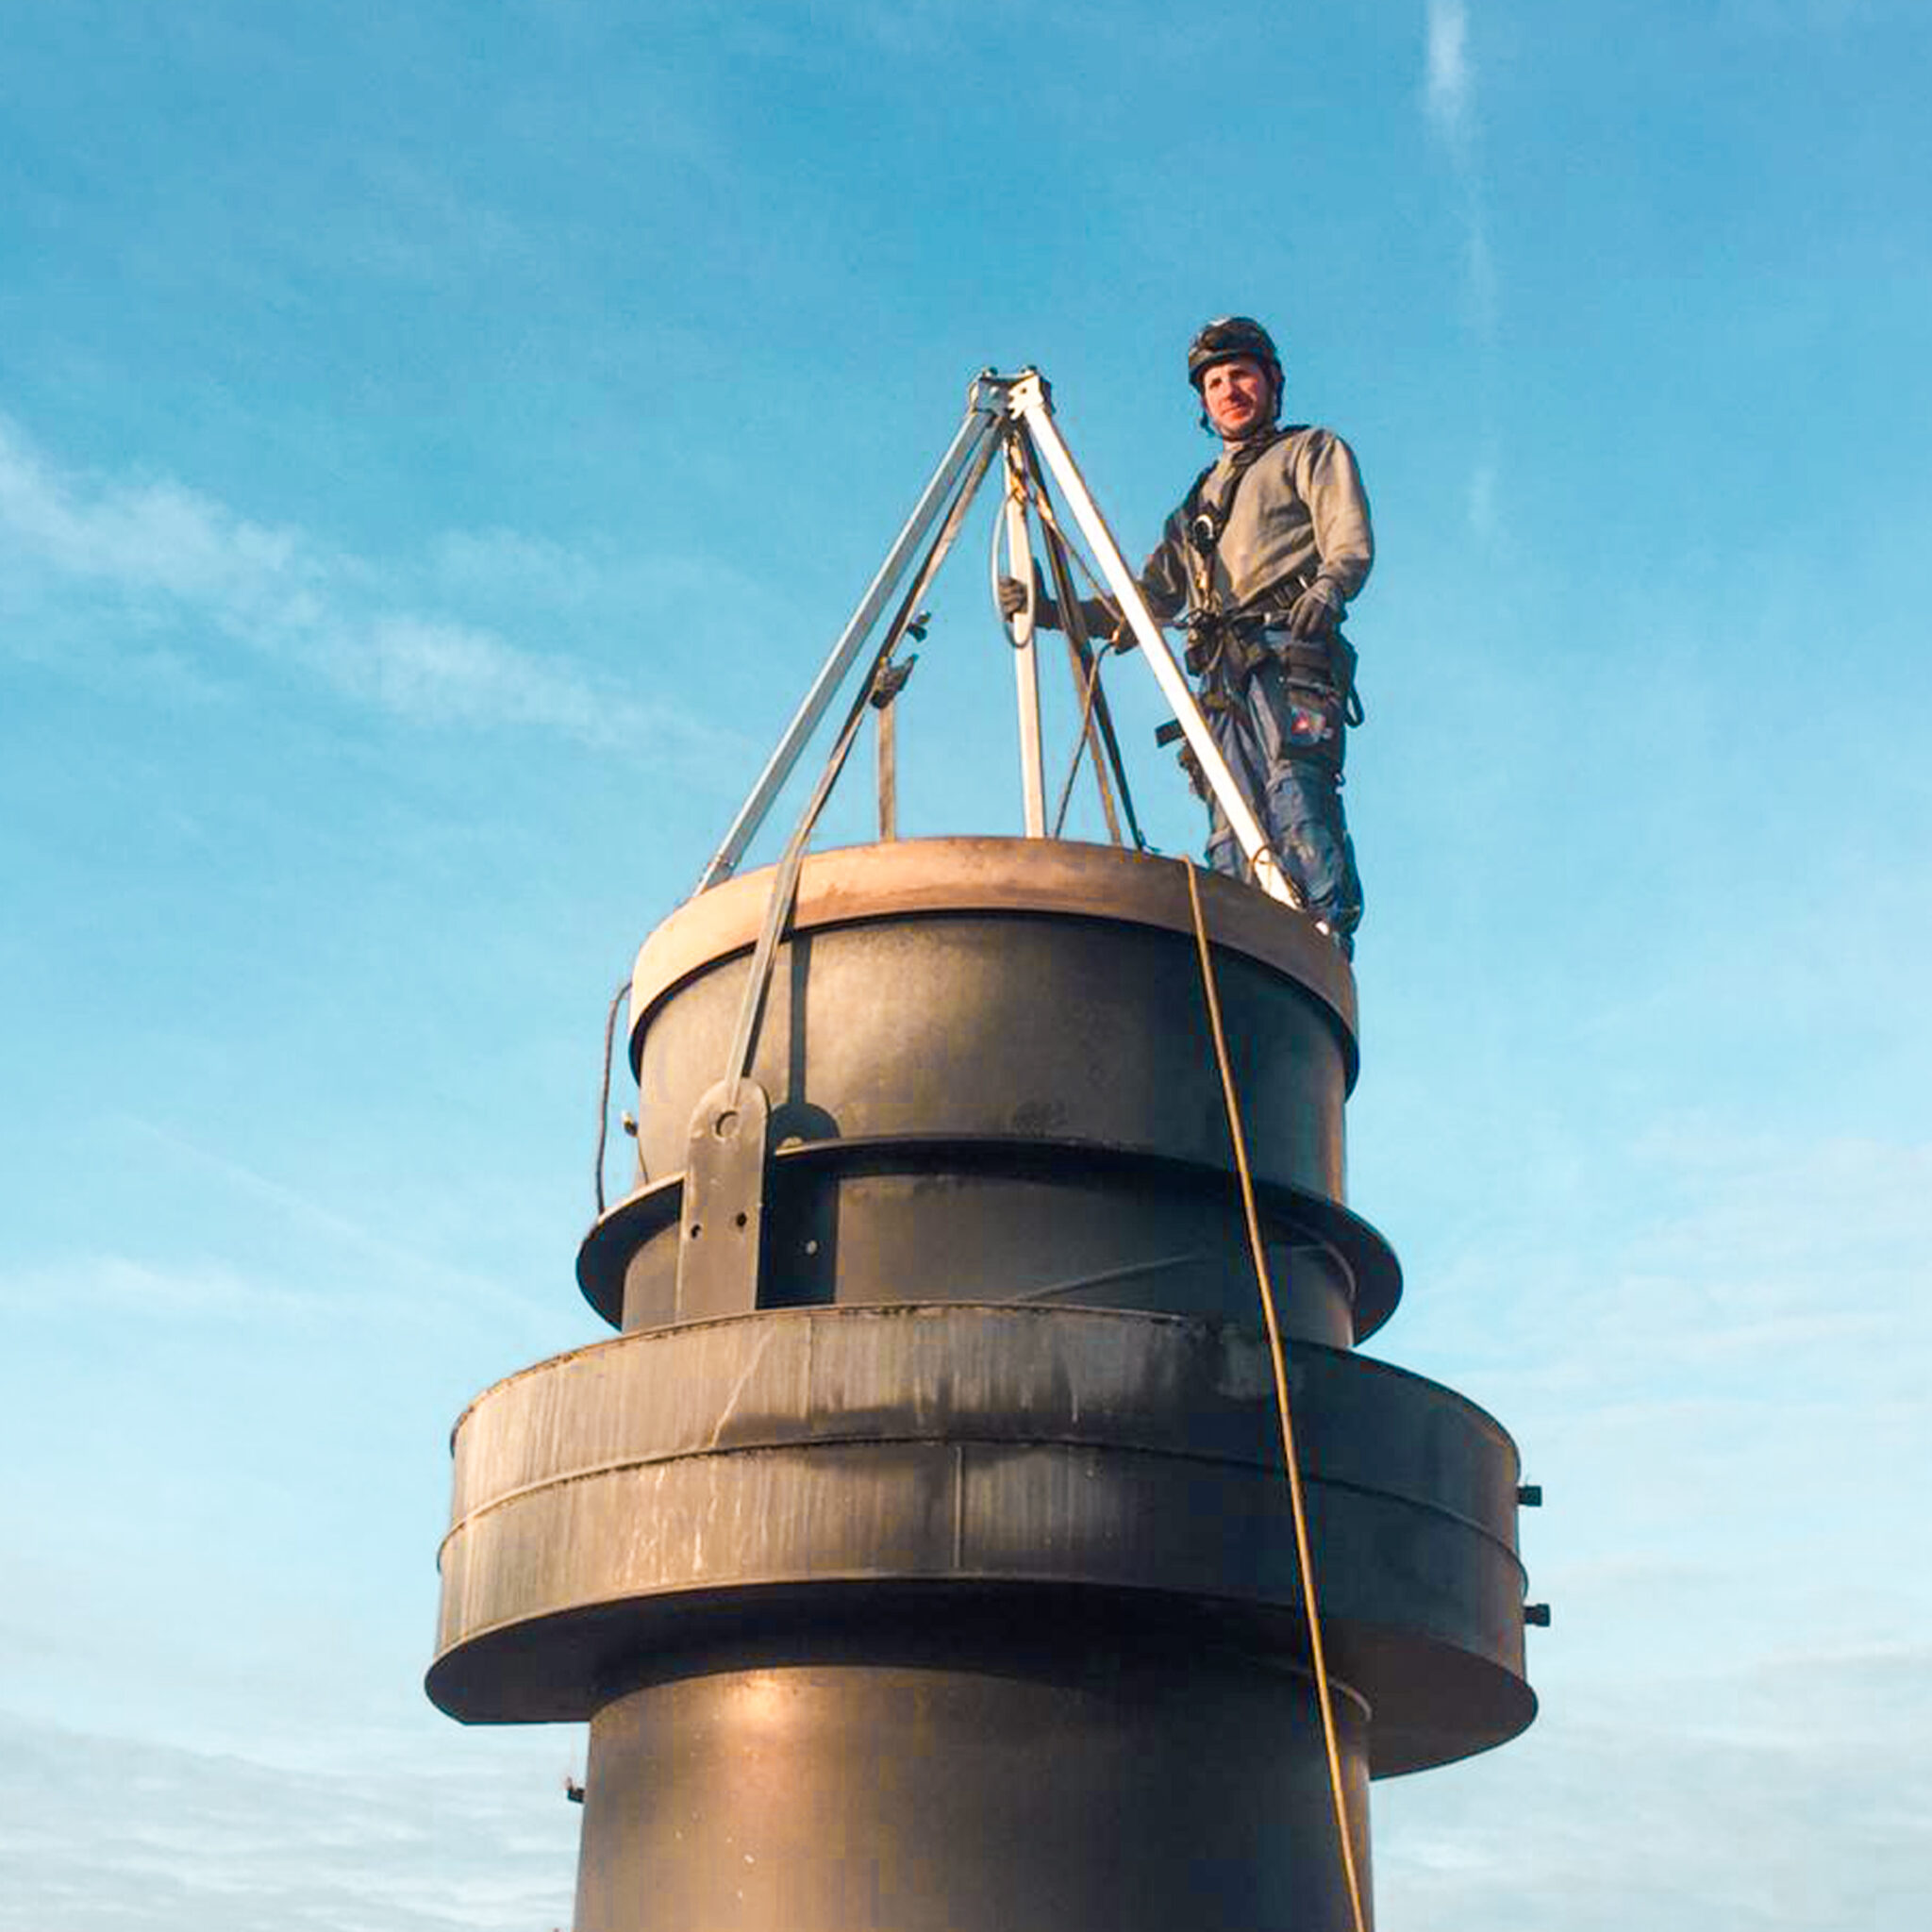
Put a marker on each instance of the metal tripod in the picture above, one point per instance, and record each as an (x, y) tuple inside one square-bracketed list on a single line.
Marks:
[(1012, 414)]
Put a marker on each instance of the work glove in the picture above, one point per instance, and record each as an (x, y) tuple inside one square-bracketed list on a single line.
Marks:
[(1313, 615), (1103, 622), (1011, 597)]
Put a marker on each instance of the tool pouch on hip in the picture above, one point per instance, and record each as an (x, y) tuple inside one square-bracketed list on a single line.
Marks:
[(1321, 664), (1312, 718)]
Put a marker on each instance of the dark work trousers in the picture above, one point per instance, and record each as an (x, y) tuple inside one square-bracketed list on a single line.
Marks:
[(1285, 741)]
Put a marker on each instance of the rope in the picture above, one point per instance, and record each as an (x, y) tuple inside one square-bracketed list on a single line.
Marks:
[(1042, 505), (1096, 719), (1278, 1358), (1093, 683), (1016, 494), (617, 1000)]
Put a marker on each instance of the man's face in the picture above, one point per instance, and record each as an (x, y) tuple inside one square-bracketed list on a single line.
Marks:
[(1236, 395)]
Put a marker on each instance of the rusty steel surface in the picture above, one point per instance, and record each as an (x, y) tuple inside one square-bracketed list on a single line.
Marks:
[(969, 1779), (1022, 1026), (720, 1226), (963, 1038), (909, 1221), (621, 1499), (943, 1576), (1017, 875)]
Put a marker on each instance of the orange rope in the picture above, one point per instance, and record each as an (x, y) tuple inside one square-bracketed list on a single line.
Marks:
[(1304, 1553)]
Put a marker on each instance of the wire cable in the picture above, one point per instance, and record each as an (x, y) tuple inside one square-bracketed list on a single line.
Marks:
[(1097, 718), (617, 999)]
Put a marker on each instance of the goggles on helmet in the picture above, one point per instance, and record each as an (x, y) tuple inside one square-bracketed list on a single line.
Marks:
[(1226, 337)]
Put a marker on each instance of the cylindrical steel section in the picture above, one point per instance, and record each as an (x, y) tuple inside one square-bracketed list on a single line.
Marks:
[(991, 1076), (1005, 1781), (622, 1502), (922, 1555)]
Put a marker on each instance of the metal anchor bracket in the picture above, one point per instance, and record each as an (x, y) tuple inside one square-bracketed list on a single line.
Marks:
[(721, 1230)]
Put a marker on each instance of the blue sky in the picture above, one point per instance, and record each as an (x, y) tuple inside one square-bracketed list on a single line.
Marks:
[(436, 450)]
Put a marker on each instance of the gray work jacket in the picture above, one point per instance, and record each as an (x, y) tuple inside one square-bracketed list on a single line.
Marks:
[(1300, 518)]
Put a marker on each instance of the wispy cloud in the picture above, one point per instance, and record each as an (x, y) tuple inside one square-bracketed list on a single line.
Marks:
[(438, 1289), (1746, 1252), (1449, 101), (151, 556), (1450, 80), (353, 1269), (128, 1289), (473, 1832), (1681, 1804)]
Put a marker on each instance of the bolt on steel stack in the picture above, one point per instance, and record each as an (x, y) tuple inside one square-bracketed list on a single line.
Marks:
[(920, 1552)]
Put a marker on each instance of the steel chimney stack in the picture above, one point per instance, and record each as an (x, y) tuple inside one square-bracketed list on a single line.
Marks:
[(919, 1552)]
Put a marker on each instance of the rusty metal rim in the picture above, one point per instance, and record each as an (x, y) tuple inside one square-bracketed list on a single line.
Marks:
[(563, 1665), (1090, 1441), (1159, 1330), (1157, 1319), (911, 877), (530, 1636), (1366, 1257)]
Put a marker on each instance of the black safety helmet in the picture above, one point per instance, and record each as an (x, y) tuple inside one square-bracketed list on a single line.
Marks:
[(1228, 337)]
